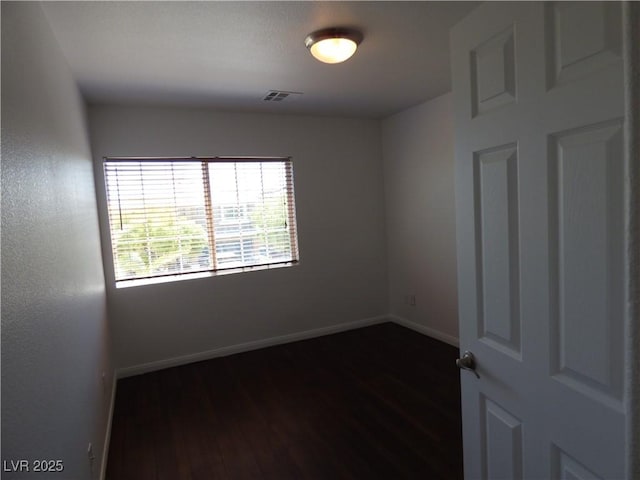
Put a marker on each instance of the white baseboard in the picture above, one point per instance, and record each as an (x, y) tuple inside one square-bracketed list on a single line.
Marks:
[(107, 437), (244, 347), (430, 332), (293, 337)]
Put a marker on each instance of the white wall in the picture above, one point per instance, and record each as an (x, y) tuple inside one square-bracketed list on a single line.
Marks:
[(54, 323), (340, 211), (417, 149)]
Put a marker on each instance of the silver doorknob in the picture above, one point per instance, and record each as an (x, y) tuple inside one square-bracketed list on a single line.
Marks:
[(467, 362)]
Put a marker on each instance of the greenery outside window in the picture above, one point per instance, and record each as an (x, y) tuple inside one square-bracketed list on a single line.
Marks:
[(171, 217)]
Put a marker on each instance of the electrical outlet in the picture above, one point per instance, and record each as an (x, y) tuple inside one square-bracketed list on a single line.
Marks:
[(412, 300)]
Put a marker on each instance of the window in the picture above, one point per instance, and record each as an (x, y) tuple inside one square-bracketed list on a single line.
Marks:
[(173, 217)]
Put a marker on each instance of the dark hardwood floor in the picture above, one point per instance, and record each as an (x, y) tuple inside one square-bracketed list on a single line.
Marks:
[(377, 402)]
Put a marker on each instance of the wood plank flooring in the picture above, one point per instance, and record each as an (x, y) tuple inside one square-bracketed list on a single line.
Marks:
[(377, 402)]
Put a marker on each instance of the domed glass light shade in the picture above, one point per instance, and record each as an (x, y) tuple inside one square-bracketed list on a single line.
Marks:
[(333, 45)]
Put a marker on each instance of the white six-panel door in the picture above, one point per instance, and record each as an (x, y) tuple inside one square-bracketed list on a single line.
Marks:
[(538, 98)]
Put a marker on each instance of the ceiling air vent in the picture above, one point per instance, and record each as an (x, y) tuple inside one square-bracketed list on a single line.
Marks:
[(280, 96)]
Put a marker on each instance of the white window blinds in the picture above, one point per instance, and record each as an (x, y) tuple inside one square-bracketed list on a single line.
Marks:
[(179, 216)]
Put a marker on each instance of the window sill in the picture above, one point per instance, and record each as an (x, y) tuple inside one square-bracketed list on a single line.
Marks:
[(194, 276)]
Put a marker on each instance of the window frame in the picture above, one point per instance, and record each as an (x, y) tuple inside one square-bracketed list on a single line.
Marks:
[(215, 270)]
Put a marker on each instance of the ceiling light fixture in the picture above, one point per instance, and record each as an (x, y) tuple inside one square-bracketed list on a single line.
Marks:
[(333, 45)]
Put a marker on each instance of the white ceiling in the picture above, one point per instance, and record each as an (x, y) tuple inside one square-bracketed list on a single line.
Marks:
[(227, 55)]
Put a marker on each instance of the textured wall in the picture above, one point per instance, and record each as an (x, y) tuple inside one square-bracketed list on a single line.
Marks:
[(417, 149), (342, 272), (54, 325)]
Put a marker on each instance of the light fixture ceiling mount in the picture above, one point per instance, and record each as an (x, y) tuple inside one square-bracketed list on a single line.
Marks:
[(333, 45)]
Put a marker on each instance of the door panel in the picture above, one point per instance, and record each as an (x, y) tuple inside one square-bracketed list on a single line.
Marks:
[(538, 103), (566, 467), (582, 37), (496, 186), (586, 249), (502, 456), (493, 73)]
